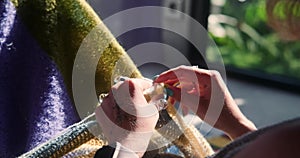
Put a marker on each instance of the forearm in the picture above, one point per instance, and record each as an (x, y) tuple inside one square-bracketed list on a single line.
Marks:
[(236, 123)]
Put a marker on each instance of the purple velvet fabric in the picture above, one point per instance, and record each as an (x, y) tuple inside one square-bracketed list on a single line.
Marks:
[(34, 104)]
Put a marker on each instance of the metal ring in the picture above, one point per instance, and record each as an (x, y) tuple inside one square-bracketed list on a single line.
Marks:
[(101, 97)]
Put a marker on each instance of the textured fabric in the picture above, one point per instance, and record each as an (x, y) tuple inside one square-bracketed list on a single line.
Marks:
[(34, 105), (34, 99), (239, 144), (87, 150), (70, 139)]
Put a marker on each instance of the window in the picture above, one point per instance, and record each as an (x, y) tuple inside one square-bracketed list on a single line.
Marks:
[(249, 46)]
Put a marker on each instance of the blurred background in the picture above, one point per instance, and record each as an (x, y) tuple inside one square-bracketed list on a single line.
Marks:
[(263, 71)]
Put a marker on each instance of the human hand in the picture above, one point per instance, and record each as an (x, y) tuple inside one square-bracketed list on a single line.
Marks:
[(205, 93), (126, 117)]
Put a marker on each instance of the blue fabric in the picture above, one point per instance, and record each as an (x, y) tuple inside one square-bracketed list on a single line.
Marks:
[(34, 104)]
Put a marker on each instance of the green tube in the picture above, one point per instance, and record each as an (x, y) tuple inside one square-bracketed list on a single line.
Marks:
[(60, 27)]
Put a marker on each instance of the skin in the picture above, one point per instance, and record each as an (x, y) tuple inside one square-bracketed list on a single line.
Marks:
[(200, 90), (139, 118), (280, 142), (134, 129), (194, 83)]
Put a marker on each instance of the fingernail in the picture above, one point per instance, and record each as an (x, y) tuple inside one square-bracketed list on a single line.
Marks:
[(169, 92), (120, 78), (123, 78)]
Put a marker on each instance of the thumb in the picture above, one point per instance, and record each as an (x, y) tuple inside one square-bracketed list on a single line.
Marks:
[(186, 98)]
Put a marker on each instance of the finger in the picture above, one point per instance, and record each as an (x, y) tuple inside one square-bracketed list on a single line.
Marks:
[(181, 80), (142, 83), (131, 99), (177, 91), (131, 86), (171, 101), (187, 85), (181, 73), (136, 84), (171, 81), (106, 109), (143, 108), (137, 88), (123, 93), (168, 75), (171, 75), (186, 97)]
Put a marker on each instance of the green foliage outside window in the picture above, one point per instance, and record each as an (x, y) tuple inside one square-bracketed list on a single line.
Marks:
[(249, 43)]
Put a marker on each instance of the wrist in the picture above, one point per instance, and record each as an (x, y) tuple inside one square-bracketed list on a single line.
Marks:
[(237, 123), (123, 152), (243, 126), (137, 142), (131, 147)]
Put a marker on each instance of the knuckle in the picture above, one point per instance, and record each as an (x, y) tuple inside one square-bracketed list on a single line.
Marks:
[(113, 89), (126, 84), (215, 74), (181, 67)]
